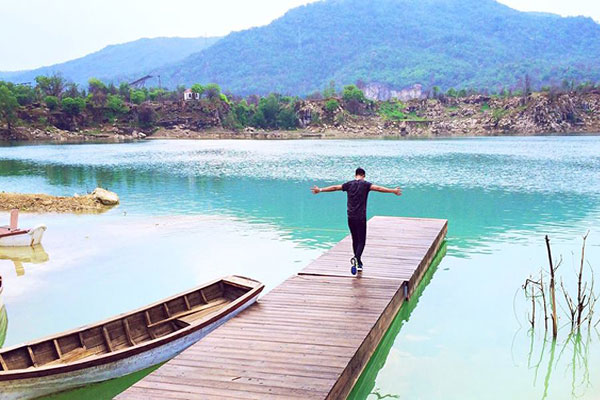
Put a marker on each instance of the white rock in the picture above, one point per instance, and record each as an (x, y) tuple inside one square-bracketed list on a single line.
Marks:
[(105, 197)]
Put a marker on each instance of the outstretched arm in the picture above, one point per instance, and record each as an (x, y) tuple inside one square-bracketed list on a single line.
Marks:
[(317, 190), (397, 191)]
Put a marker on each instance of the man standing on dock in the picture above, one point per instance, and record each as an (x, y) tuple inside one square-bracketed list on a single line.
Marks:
[(357, 191)]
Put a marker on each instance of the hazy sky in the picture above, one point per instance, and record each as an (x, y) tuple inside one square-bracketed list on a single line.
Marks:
[(34, 33)]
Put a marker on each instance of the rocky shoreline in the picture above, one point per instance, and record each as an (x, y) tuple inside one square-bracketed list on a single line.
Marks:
[(478, 115)]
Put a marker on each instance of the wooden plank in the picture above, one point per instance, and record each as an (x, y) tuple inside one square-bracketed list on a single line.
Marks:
[(311, 336)]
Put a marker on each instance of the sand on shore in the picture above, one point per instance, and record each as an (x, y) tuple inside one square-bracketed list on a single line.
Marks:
[(42, 203)]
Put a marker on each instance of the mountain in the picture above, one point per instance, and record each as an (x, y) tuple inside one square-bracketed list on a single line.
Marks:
[(449, 43), (126, 61)]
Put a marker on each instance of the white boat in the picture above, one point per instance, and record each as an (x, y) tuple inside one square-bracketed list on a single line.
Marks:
[(12, 236), (123, 344), (3, 319)]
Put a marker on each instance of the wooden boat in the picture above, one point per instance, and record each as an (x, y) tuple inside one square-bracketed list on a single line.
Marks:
[(3, 317), (11, 235), (124, 344)]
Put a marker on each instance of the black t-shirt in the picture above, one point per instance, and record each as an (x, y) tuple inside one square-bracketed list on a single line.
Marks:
[(358, 191)]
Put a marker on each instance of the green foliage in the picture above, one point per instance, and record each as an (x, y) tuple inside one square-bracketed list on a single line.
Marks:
[(485, 107), (498, 114), (115, 105), (51, 102), (362, 41), (392, 110), (269, 108), (124, 90), (241, 113), (156, 94), (452, 93), (25, 94), (73, 106), (8, 106), (330, 90), (258, 120), (332, 105), (52, 85), (353, 93), (223, 98), (198, 88), (96, 85), (286, 118), (137, 96), (212, 91)]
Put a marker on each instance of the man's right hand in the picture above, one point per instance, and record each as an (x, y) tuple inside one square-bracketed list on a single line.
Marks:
[(398, 191), (315, 190)]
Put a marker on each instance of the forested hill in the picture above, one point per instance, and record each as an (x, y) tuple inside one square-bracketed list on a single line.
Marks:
[(126, 61), (449, 43)]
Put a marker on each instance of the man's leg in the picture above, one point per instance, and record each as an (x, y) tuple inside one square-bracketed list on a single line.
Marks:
[(354, 233), (361, 239)]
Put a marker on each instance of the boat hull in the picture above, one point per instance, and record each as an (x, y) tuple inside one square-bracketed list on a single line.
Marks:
[(31, 388), (30, 238)]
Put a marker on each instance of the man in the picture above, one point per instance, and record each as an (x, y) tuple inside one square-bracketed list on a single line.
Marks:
[(358, 191)]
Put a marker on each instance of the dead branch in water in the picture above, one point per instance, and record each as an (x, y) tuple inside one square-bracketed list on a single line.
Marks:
[(552, 289), (581, 294)]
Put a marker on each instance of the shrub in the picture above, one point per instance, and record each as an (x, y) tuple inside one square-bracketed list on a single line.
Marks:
[(73, 106), (392, 110), (332, 105), (353, 93), (137, 96), (115, 104), (51, 102), (286, 118)]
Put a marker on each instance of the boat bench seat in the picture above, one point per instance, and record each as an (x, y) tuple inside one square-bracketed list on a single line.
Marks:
[(73, 355)]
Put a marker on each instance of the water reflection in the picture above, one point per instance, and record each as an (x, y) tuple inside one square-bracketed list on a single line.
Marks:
[(479, 215), (24, 254), (546, 356), (365, 386)]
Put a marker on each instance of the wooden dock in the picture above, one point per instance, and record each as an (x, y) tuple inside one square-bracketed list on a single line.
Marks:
[(311, 336)]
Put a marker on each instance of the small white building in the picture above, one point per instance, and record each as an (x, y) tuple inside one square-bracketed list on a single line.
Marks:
[(189, 95)]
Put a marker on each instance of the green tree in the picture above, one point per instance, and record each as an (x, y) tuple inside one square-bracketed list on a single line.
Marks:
[(452, 92), (353, 93), (25, 94), (212, 91), (73, 106), (51, 85), (287, 118), (198, 88), (137, 96), (8, 106), (124, 90), (269, 108), (332, 105), (242, 113), (97, 93), (115, 105), (51, 102)]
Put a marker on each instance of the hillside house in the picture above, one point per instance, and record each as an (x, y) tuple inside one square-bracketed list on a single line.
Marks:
[(189, 95)]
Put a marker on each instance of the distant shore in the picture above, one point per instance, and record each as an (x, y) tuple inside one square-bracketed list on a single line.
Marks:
[(472, 116)]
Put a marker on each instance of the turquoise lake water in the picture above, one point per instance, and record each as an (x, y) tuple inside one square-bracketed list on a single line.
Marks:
[(194, 210)]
